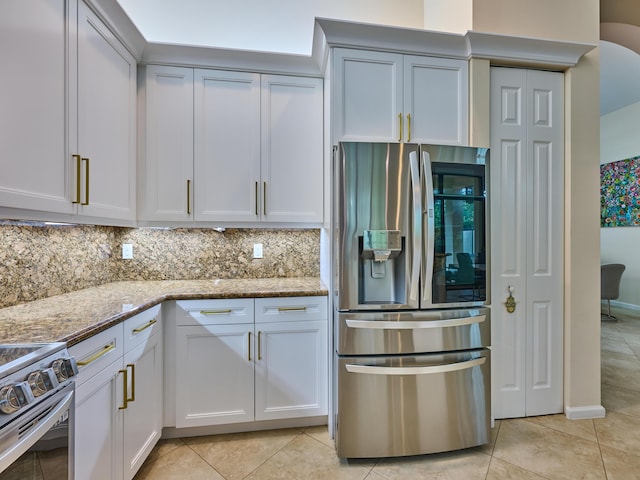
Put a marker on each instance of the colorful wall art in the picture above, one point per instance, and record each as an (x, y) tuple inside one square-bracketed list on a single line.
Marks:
[(620, 193)]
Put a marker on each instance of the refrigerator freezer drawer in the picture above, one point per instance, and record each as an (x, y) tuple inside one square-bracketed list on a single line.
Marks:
[(413, 332), (412, 405)]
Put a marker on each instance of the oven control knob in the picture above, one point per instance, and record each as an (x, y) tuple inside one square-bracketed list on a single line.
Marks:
[(42, 381), (65, 368), (14, 397)]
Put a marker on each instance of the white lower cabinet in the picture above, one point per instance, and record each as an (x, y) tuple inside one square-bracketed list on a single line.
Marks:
[(214, 375), (119, 397), (243, 360)]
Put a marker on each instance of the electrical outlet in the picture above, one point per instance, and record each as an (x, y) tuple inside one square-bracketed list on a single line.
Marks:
[(257, 250), (127, 251)]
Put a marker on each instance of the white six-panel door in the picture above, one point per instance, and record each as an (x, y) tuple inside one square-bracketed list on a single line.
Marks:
[(527, 156)]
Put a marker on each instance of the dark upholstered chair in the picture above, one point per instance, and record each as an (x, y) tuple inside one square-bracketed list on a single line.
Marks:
[(610, 276)]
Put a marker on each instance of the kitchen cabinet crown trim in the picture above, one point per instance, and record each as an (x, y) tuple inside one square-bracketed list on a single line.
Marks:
[(499, 49)]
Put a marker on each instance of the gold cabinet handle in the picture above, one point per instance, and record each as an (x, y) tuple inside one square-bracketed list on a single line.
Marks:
[(400, 121), (259, 345), (408, 127), (188, 197), (264, 199), (215, 312), (292, 309), (86, 183), (125, 376), (256, 198), (151, 322), (133, 382), (249, 346), (106, 349), (78, 163)]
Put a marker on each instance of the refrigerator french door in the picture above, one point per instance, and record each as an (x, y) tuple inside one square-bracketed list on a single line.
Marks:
[(412, 319)]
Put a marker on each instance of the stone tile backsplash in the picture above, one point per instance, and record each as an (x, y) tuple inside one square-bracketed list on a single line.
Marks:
[(38, 261)]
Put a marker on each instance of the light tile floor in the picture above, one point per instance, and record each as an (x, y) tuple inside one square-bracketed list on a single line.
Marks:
[(548, 447)]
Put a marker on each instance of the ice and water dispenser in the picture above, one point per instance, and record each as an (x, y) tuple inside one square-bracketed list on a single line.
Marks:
[(381, 267)]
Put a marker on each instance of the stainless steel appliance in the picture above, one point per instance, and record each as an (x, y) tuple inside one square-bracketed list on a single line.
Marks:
[(36, 411), (412, 319)]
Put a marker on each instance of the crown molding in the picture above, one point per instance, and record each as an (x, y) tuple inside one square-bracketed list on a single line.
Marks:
[(499, 49)]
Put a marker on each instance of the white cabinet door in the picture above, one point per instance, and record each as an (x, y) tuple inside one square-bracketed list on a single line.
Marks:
[(368, 96), (386, 97), (436, 100), (526, 190), (166, 169), (104, 135), (292, 149), (291, 369), (143, 415), (35, 169), (226, 146), (98, 420), (214, 374), (118, 398)]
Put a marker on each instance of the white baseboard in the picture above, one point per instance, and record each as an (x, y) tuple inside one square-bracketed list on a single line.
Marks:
[(617, 303), (580, 413)]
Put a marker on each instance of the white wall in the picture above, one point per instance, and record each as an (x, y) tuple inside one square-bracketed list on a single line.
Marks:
[(619, 139), (284, 26)]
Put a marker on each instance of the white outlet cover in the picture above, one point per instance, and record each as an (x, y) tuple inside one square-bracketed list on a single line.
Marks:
[(127, 251), (257, 250)]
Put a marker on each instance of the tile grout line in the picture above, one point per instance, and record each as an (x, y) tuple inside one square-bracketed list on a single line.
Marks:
[(300, 432)]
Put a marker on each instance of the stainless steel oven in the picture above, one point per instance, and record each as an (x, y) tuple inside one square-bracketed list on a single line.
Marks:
[(36, 412)]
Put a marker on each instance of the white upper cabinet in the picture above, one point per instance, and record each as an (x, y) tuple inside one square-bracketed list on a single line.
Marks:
[(166, 165), (32, 114), (226, 145), (292, 155), (67, 140), (230, 147), (388, 97), (103, 135), (436, 100), (368, 96)]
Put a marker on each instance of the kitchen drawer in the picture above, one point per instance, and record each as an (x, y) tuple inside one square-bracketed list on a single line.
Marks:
[(215, 312), (98, 352), (138, 329), (291, 309)]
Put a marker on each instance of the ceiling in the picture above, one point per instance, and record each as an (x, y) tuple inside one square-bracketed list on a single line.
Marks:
[(619, 34), (619, 54)]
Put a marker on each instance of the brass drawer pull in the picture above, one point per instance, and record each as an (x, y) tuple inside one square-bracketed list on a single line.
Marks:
[(151, 322), (264, 199), (215, 312), (133, 382), (292, 309), (86, 181), (125, 382), (78, 161), (188, 197), (256, 198), (106, 349)]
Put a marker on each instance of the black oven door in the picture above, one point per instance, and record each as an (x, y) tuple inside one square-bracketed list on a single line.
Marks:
[(38, 444)]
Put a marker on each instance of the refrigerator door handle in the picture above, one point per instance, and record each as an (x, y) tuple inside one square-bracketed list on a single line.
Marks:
[(417, 228), (410, 325), (419, 370), (427, 278)]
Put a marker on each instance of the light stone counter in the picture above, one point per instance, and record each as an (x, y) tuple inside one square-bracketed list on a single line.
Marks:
[(76, 316)]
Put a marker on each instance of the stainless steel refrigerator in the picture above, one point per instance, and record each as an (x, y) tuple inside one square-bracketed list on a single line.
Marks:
[(412, 315)]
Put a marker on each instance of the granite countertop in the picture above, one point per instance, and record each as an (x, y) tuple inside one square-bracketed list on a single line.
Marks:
[(73, 317)]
